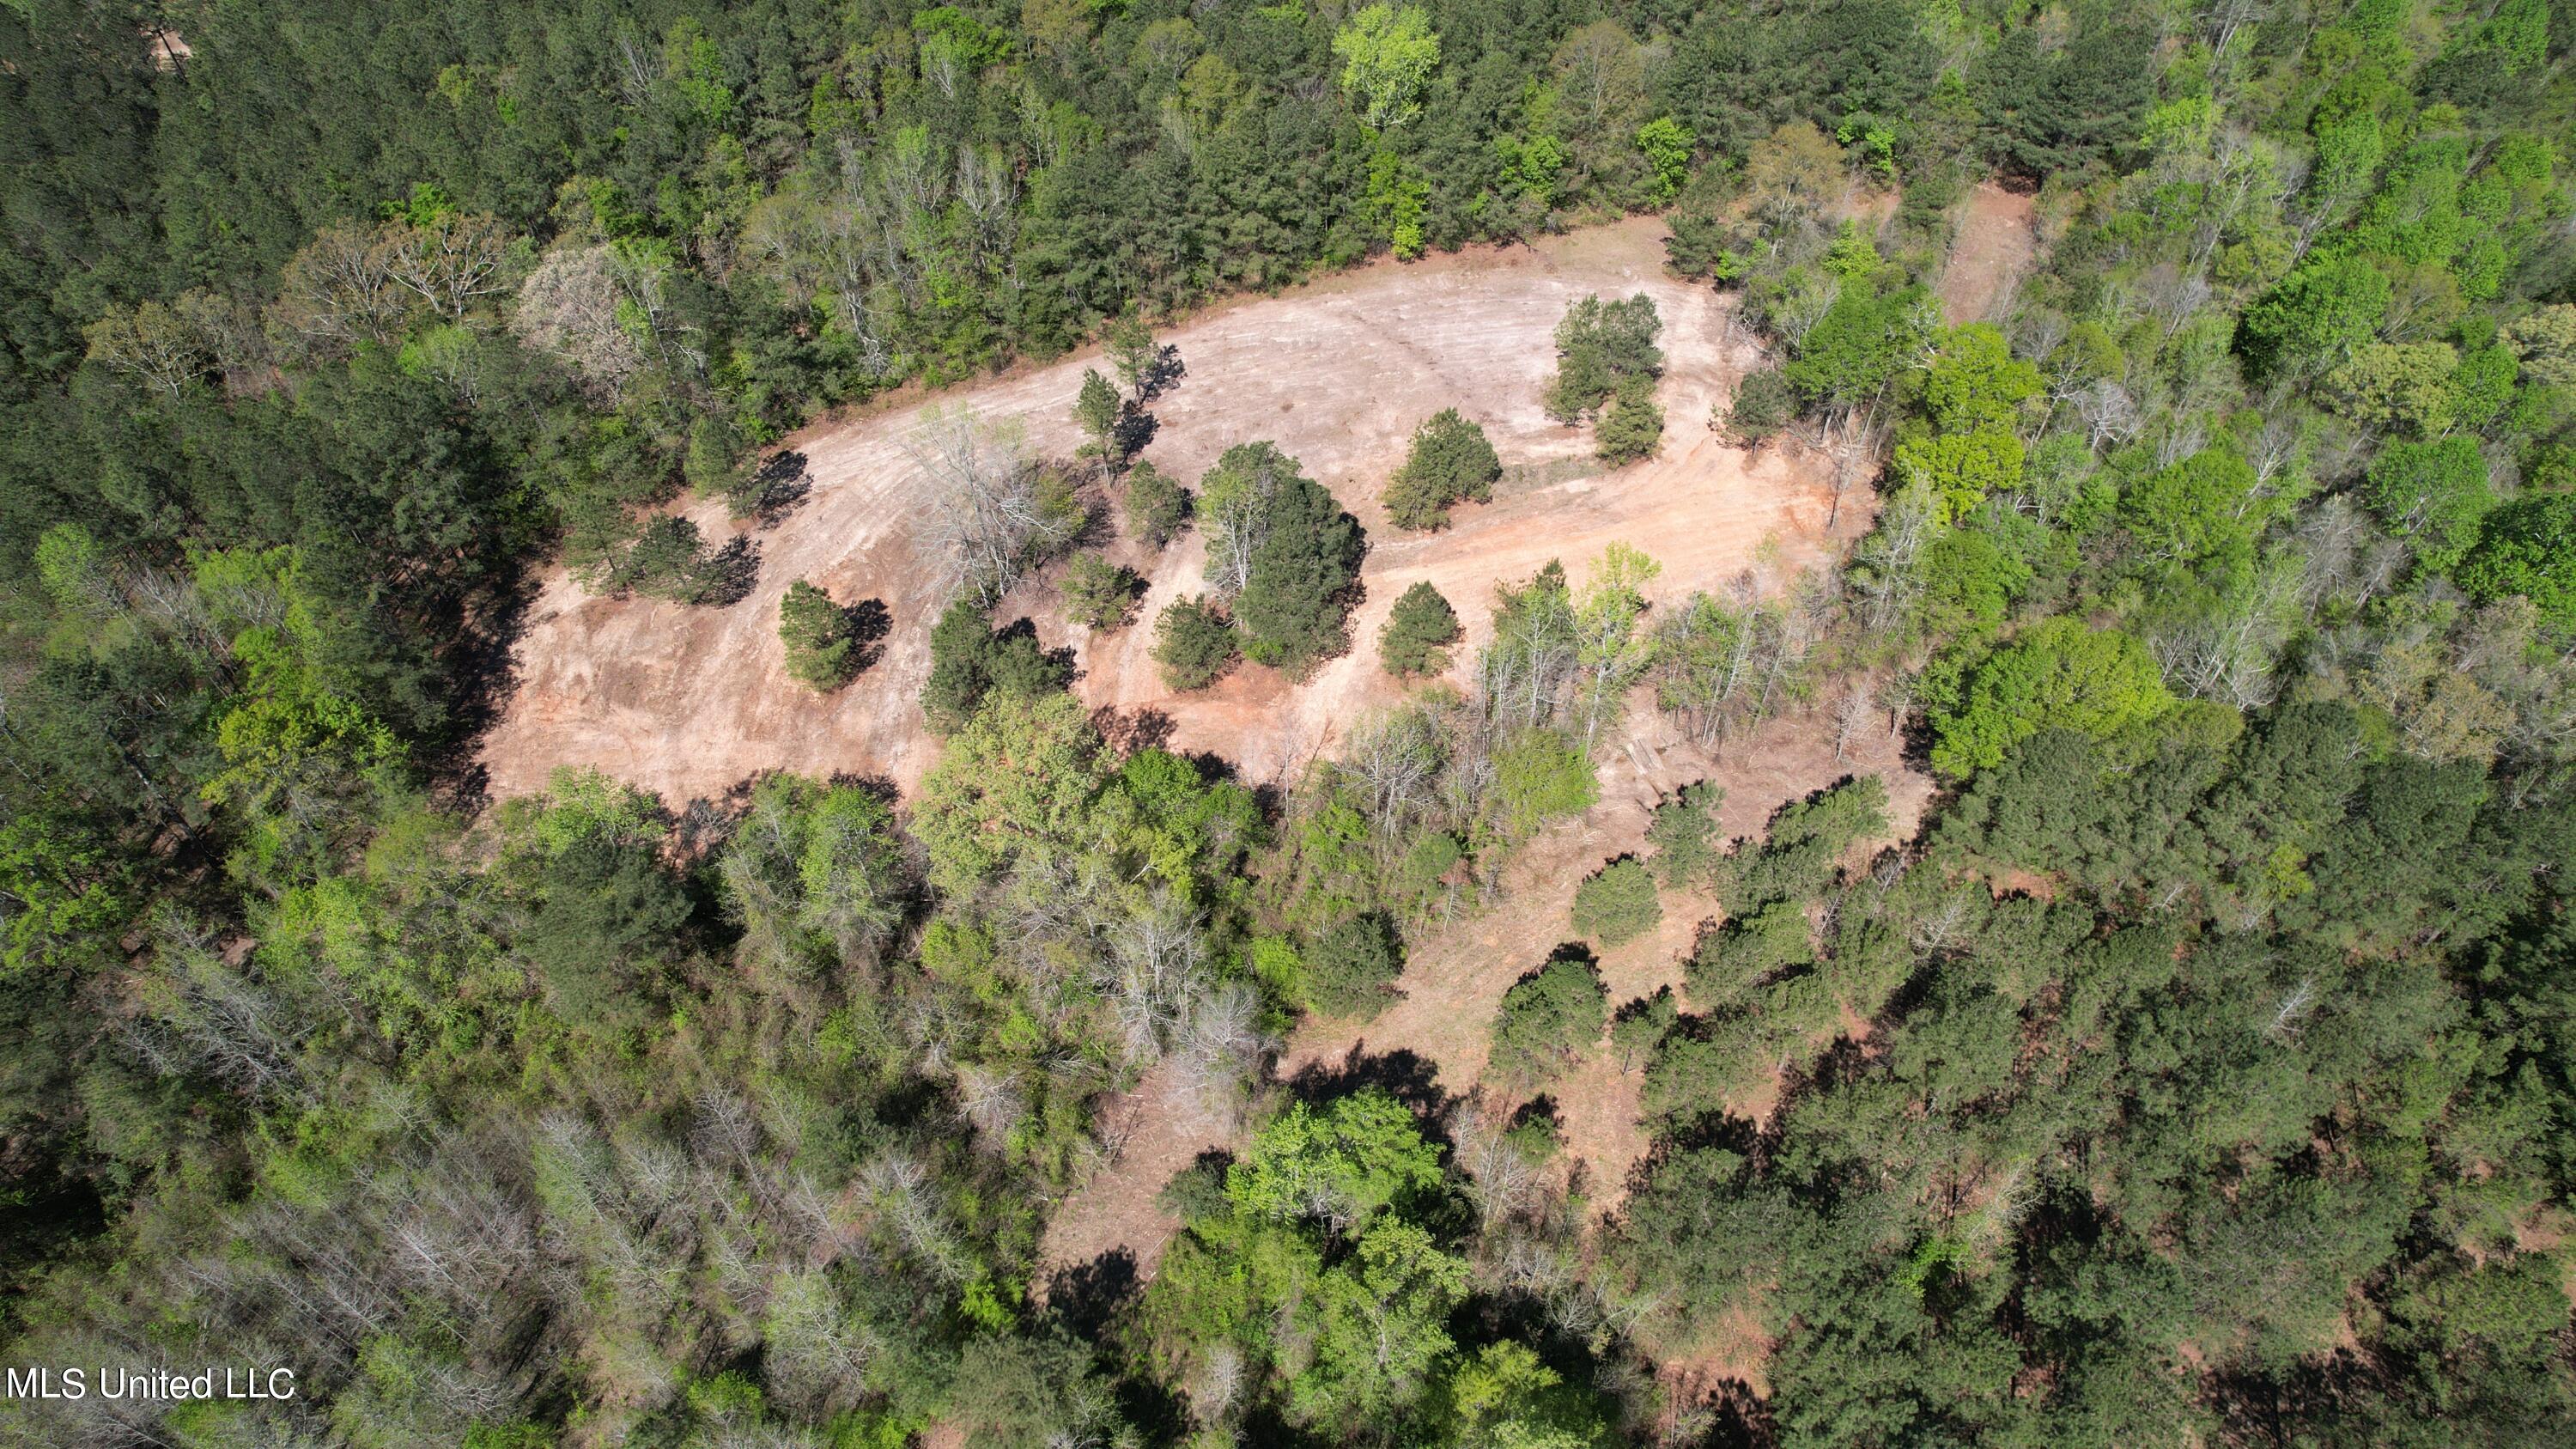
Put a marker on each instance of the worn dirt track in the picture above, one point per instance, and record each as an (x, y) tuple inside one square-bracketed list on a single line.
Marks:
[(1989, 254), (688, 702)]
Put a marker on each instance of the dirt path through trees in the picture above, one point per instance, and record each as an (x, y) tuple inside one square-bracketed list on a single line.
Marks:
[(1988, 255)]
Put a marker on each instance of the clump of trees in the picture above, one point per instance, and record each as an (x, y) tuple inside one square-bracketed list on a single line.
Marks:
[(1282, 553), (1606, 354), (670, 560), (2215, 1071), (1449, 461), (971, 662)]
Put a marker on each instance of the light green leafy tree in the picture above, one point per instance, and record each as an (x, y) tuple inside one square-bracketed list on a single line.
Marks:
[(1341, 1166), (1379, 1332), (1387, 54), (2061, 674)]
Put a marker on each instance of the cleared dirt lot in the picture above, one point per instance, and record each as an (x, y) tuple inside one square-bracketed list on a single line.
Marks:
[(687, 702)]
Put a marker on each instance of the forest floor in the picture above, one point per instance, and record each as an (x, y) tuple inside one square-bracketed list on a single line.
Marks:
[(1989, 254), (689, 702)]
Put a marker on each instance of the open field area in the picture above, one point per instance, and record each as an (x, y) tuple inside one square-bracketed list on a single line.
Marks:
[(687, 702)]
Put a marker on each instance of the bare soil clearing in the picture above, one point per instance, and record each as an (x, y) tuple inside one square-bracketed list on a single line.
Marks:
[(687, 702), (1120, 1208), (1988, 256)]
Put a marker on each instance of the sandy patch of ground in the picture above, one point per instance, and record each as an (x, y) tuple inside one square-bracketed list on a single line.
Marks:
[(688, 701), (1988, 256)]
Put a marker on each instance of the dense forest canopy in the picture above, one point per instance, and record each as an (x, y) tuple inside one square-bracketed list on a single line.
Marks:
[(2202, 1071)]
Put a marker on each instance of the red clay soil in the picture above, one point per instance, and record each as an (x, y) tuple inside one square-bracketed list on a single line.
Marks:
[(687, 702), (1988, 256)]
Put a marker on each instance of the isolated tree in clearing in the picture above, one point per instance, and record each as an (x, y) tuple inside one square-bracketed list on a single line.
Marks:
[(1194, 642), (1450, 460), (1617, 904), (1095, 411), (1417, 631), (1098, 593), (1606, 350), (1549, 1018), (1134, 352), (822, 646)]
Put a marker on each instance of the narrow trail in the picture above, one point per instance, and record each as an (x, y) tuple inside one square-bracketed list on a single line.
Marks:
[(1989, 255)]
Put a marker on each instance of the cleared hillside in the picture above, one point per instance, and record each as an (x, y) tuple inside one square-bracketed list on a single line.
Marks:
[(689, 701)]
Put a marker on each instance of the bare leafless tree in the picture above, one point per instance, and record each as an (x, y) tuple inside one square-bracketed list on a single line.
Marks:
[(451, 261), (2109, 413), (568, 307), (983, 511), (340, 290), (1855, 712)]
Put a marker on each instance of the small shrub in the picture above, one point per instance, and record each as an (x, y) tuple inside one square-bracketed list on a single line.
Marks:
[(1549, 1018), (1763, 405), (1194, 642), (670, 560), (1100, 594), (1417, 633), (1351, 969), (1157, 507), (1540, 775), (1618, 904)]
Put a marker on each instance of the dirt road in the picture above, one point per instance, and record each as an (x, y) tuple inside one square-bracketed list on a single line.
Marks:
[(1988, 256)]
